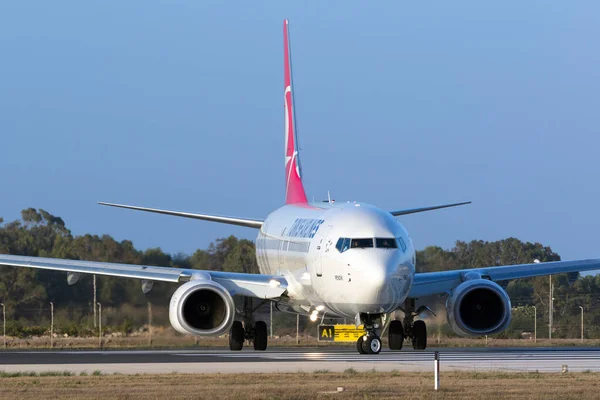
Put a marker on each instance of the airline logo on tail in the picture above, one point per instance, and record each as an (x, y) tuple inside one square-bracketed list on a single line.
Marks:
[(294, 190)]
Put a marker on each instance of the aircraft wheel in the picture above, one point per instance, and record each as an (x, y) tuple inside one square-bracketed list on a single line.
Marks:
[(395, 335), (419, 339), (236, 336), (359, 345), (372, 345), (260, 336)]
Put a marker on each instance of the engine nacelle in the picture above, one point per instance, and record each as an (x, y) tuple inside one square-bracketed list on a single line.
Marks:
[(478, 307), (202, 308)]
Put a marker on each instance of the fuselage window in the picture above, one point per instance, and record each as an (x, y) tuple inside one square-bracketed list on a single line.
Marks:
[(386, 243), (402, 244), (361, 243)]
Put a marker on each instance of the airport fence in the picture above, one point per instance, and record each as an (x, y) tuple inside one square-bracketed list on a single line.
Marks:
[(128, 325), (148, 325)]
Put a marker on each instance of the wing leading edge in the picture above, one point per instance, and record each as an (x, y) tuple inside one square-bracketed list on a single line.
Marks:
[(247, 222), (431, 283), (422, 209), (253, 285)]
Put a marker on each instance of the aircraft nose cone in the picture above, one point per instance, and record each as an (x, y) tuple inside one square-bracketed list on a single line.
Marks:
[(376, 276)]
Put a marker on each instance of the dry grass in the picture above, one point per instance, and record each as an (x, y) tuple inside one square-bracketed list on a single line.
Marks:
[(368, 385)]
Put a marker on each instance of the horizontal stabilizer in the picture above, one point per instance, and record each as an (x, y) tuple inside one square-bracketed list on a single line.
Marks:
[(422, 209), (250, 223)]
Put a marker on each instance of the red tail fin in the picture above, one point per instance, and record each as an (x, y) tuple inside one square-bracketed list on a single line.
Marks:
[(294, 191)]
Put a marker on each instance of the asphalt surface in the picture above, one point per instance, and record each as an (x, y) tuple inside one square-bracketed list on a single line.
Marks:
[(308, 360)]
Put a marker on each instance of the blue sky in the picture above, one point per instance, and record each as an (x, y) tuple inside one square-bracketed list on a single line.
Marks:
[(179, 105)]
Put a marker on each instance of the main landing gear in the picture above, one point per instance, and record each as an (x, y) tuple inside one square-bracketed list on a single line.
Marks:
[(416, 331), (253, 331)]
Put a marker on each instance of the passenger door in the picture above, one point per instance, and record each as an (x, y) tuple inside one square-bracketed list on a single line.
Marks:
[(324, 247)]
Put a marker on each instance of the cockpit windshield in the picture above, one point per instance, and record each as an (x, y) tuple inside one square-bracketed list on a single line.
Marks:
[(361, 243), (386, 243), (344, 244)]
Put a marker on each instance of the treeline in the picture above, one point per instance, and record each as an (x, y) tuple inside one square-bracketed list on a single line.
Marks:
[(27, 292)]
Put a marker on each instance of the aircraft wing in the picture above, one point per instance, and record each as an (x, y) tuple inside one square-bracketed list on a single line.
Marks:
[(253, 285), (431, 283), (247, 222), (422, 209)]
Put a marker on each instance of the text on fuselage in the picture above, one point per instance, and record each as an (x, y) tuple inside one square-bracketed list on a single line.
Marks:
[(305, 227)]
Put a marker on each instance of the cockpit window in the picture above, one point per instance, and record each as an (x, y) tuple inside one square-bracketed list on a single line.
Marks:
[(402, 244), (361, 243), (343, 244), (386, 243)]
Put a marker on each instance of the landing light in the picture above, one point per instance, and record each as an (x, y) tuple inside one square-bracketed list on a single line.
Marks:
[(320, 308), (313, 317), (274, 283)]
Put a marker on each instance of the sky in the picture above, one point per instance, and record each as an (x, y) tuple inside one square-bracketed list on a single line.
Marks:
[(179, 105)]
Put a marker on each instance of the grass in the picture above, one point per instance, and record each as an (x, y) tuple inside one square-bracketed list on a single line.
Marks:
[(301, 386), (30, 374)]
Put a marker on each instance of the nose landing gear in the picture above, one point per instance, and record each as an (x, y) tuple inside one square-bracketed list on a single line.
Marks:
[(370, 343), (398, 331)]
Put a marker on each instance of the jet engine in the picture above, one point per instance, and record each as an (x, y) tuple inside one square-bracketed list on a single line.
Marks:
[(478, 307), (202, 308)]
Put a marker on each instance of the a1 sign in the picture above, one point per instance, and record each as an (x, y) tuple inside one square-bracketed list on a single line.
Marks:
[(340, 333), (326, 333)]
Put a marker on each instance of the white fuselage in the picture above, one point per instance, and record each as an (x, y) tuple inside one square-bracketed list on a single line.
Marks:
[(302, 243)]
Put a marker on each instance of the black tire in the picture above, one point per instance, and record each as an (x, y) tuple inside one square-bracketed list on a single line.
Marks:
[(372, 345), (236, 336), (395, 335), (260, 336), (359, 345), (419, 335)]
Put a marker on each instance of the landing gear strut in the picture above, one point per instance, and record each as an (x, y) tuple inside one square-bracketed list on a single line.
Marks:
[(253, 331)]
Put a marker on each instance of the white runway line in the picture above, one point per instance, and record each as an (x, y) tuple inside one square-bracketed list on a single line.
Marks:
[(303, 361)]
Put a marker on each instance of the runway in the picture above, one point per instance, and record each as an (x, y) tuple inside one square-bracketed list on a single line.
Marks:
[(301, 360)]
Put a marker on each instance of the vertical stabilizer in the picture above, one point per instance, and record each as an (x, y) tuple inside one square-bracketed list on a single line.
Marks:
[(294, 190)]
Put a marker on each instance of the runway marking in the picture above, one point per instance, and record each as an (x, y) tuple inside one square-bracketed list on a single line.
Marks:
[(280, 360), (399, 357)]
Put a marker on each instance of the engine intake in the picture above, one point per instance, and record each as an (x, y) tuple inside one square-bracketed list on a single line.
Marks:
[(202, 308), (478, 307)]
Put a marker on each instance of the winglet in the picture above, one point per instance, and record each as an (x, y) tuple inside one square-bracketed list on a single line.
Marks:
[(294, 190)]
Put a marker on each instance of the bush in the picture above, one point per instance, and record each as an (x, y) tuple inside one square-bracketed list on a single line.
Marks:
[(16, 329)]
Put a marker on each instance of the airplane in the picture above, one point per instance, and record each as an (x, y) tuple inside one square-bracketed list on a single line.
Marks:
[(323, 259)]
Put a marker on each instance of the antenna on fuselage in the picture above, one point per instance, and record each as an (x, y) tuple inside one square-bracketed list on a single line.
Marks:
[(329, 200)]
